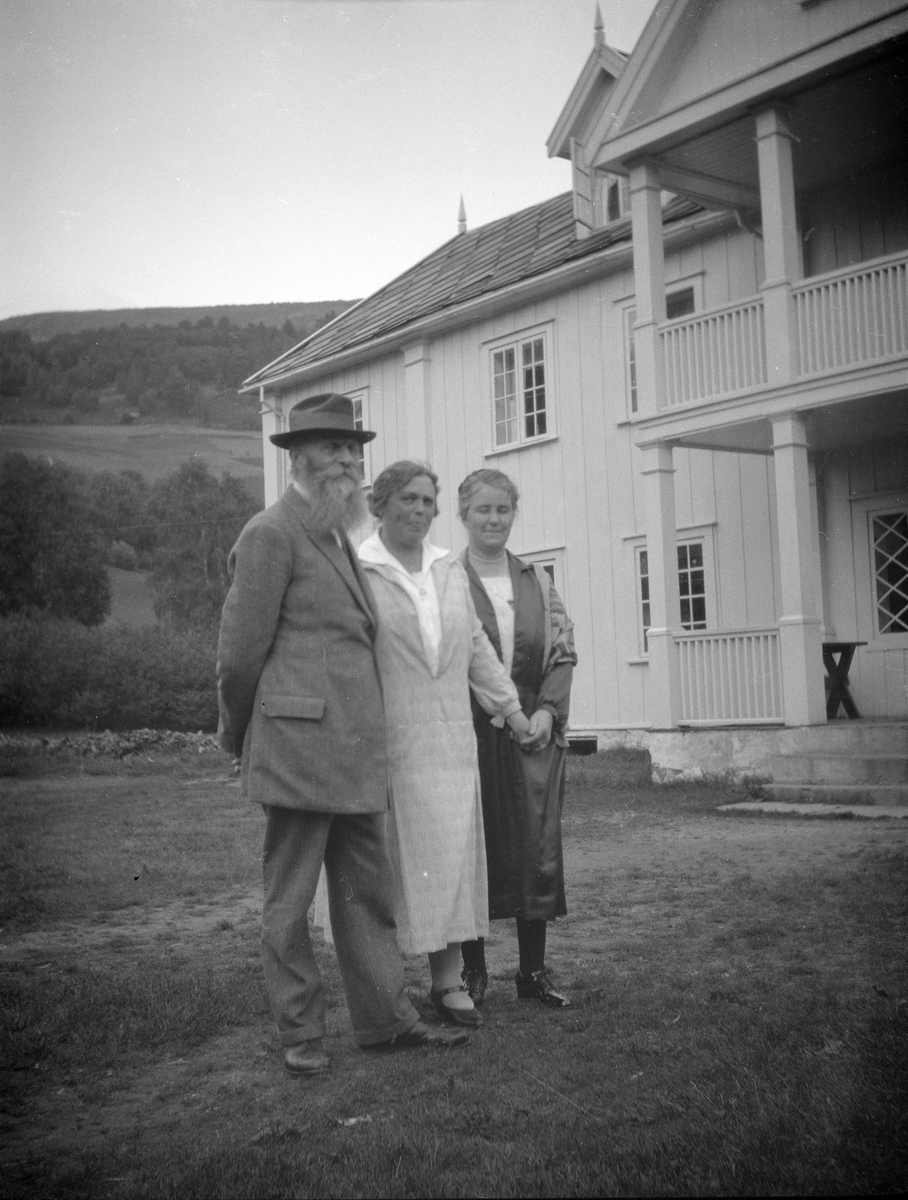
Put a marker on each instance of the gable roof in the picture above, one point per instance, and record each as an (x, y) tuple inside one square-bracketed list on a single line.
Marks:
[(701, 64), (596, 80), (522, 246)]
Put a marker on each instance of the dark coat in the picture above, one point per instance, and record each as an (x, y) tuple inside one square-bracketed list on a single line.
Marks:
[(298, 685), (523, 794)]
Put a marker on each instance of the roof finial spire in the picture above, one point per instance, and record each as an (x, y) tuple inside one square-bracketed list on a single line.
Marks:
[(461, 218), (598, 28)]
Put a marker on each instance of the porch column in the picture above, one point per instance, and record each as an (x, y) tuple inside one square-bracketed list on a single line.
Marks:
[(800, 626), (663, 692), (274, 459), (649, 285), (417, 426), (781, 246)]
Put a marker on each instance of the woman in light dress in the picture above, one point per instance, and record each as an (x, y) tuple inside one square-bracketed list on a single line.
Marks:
[(431, 654)]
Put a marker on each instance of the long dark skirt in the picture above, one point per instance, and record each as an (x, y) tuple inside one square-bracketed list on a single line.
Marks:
[(522, 799)]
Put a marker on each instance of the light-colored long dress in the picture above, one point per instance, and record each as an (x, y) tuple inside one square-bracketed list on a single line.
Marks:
[(436, 834)]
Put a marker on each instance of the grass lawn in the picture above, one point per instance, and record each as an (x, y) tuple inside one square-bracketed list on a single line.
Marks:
[(739, 1020)]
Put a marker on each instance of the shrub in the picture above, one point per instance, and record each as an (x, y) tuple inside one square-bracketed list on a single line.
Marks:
[(199, 518), (57, 673), (51, 557)]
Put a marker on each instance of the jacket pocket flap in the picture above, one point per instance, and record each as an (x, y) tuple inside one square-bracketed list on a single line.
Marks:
[(310, 708)]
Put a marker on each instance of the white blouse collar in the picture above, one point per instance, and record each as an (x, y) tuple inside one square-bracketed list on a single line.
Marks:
[(374, 551)]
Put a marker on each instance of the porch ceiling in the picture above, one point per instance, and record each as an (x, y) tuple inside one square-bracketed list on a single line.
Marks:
[(829, 427), (851, 124)]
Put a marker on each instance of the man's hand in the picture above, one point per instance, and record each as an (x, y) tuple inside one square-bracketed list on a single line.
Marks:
[(539, 731)]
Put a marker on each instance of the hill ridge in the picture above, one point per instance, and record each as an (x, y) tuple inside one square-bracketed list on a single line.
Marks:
[(45, 325)]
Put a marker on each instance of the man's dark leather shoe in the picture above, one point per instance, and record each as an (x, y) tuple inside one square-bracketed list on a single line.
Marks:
[(306, 1058), (424, 1037)]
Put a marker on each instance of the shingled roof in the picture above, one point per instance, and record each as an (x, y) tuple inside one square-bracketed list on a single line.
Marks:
[(521, 246)]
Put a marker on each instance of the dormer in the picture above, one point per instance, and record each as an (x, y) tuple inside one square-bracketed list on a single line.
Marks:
[(599, 197)]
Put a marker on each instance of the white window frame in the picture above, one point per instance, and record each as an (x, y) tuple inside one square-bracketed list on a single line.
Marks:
[(360, 398), (604, 185), (703, 535), (866, 509), (516, 341), (551, 560), (628, 309)]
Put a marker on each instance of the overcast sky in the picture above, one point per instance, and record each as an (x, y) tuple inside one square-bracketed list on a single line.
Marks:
[(184, 152)]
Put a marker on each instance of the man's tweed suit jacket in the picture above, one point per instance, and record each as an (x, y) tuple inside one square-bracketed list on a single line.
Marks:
[(298, 688)]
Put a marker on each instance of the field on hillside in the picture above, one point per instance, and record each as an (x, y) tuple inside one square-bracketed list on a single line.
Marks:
[(155, 450)]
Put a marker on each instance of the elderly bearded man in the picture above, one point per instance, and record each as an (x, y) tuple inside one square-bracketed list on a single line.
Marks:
[(300, 702)]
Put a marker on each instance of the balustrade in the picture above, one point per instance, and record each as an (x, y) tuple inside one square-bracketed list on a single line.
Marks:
[(844, 319), (848, 319), (732, 676)]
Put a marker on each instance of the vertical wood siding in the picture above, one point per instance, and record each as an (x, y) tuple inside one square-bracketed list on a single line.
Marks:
[(735, 38), (582, 490), (857, 220)]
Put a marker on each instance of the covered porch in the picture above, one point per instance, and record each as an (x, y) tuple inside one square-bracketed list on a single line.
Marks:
[(774, 674)]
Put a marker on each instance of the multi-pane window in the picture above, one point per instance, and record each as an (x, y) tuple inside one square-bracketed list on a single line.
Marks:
[(691, 587), (645, 611), (889, 533), (630, 318), (677, 304), (519, 391), (359, 421)]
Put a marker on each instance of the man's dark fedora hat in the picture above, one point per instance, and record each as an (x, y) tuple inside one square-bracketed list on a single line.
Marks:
[(327, 415)]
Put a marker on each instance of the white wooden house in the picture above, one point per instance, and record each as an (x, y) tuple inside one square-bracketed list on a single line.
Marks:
[(694, 365)]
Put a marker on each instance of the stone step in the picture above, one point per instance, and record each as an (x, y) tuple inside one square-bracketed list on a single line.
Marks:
[(888, 794), (764, 808), (846, 737), (840, 768)]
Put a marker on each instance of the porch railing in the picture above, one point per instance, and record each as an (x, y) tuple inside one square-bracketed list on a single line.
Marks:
[(732, 676), (714, 353), (849, 318)]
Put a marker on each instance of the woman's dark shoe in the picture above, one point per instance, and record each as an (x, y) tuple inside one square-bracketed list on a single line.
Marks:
[(538, 986), (468, 1018), (475, 982)]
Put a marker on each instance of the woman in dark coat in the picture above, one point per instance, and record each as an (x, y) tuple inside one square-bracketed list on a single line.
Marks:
[(522, 786)]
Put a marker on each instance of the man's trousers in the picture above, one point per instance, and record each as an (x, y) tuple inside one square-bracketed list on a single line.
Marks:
[(360, 897)]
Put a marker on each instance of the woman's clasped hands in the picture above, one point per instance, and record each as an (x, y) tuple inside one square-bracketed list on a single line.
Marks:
[(534, 733)]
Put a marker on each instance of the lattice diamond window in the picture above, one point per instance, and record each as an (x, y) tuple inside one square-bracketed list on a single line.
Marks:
[(890, 563)]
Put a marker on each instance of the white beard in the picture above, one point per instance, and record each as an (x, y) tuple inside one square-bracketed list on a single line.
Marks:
[(336, 502)]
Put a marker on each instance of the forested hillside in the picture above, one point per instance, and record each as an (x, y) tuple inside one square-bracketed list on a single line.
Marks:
[(185, 369), (303, 315)]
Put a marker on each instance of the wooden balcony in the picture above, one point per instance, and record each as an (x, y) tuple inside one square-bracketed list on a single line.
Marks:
[(844, 319)]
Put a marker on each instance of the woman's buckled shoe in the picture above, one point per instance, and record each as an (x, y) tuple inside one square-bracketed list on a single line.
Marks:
[(469, 1018)]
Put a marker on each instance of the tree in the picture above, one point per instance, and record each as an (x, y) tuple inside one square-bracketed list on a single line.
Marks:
[(122, 502), (199, 518), (51, 558)]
